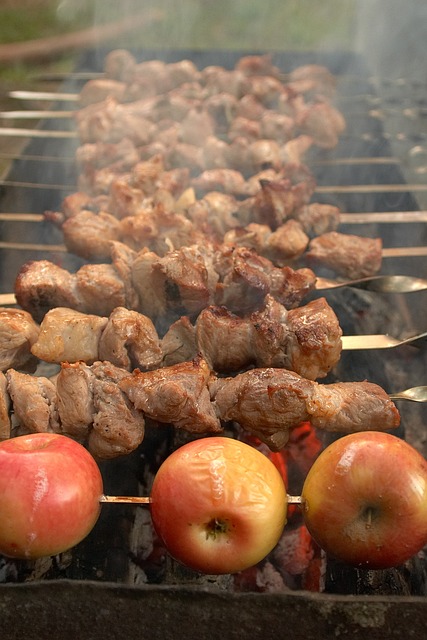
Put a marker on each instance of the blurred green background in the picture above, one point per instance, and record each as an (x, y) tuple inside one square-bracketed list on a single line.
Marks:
[(236, 24)]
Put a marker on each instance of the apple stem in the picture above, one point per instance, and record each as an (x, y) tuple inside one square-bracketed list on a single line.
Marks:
[(125, 499), (295, 499)]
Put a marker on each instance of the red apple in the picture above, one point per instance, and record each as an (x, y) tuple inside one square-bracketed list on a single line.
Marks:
[(50, 488), (219, 505), (365, 500)]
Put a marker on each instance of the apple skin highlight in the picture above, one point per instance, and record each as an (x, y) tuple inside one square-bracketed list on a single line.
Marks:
[(365, 500), (218, 505), (50, 490)]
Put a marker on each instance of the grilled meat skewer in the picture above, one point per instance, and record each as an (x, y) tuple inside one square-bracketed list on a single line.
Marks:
[(306, 340), (182, 282), (106, 408)]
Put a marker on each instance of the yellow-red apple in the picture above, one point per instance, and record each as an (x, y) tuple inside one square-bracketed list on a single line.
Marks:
[(50, 488), (218, 505), (365, 500)]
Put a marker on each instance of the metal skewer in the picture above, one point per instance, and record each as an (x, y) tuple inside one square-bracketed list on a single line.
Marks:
[(416, 394), (392, 217), (352, 188), (392, 252), (380, 284), (147, 500), (382, 341)]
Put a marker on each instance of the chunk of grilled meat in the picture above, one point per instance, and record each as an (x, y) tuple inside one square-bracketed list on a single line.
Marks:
[(92, 408), (306, 339), (105, 407), (178, 395), (349, 255), (18, 332), (34, 401), (182, 282), (5, 407), (268, 402), (67, 335)]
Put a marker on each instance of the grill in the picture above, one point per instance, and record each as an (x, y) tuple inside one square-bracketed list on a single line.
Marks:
[(366, 173)]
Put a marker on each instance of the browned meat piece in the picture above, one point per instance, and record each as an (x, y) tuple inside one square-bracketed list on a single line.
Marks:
[(224, 340), (224, 180), (99, 288), (349, 255), (109, 121), (216, 79), (316, 218), (323, 123), (346, 407), (182, 282), (257, 65), (5, 407), (214, 214), (187, 155), (314, 340), (69, 336), (277, 126), (94, 288), (148, 285), (223, 109), (42, 285), (18, 332), (74, 388), (124, 198), (290, 286), (176, 395), (249, 107), (269, 402), (246, 278), (94, 410), (244, 127), (282, 246), (179, 342), (266, 89), (287, 243), (184, 278), (313, 78), (277, 200), (34, 402), (265, 154), (157, 229), (214, 153), (89, 235), (100, 89), (306, 340), (97, 182), (179, 73), (120, 156), (130, 340), (120, 64), (293, 150), (196, 126), (122, 258), (118, 427), (70, 206)]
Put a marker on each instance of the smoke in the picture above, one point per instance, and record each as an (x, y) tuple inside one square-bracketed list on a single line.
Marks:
[(391, 35)]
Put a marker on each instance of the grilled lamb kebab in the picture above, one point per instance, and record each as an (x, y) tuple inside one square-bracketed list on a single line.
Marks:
[(306, 340), (182, 282), (106, 408), (206, 101)]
